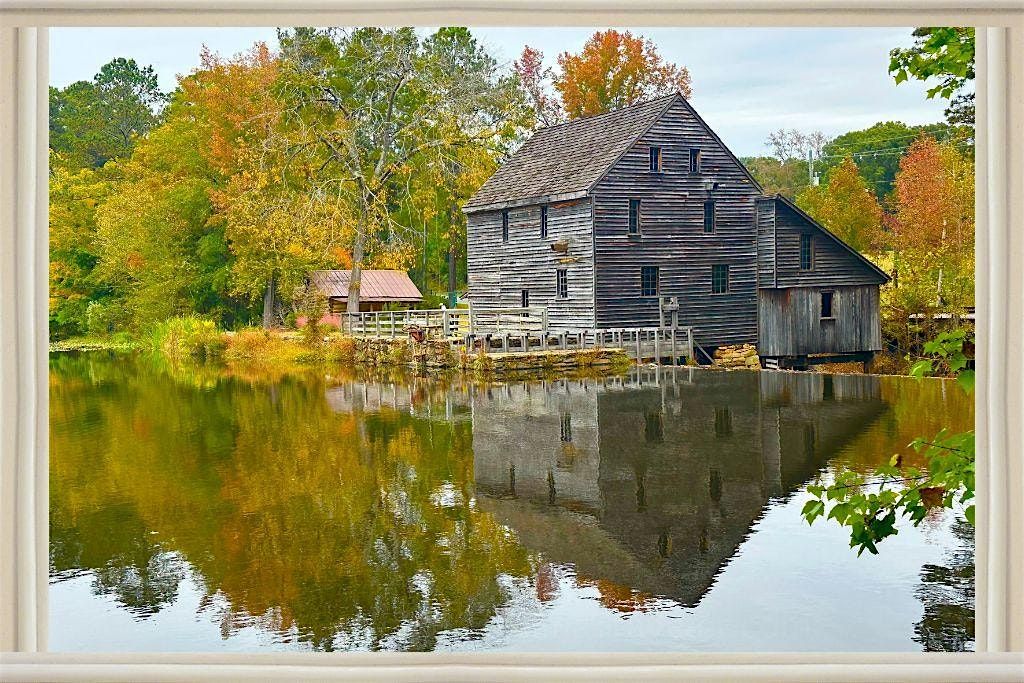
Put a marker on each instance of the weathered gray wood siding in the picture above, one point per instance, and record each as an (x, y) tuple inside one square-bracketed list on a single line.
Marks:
[(499, 271), (833, 264), (766, 242), (672, 234), (790, 322)]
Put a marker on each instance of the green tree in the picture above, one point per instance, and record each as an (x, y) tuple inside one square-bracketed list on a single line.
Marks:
[(93, 122), (788, 178), (877, 150), (847, 207), (369, 107), (944, 54)]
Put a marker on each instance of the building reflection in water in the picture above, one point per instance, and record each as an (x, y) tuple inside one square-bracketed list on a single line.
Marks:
[(648, 485)]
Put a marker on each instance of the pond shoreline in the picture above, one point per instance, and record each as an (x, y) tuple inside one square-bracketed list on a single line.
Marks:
[(289, 349)]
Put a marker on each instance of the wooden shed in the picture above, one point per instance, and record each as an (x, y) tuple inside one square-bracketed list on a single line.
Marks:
[(378, 288), (818, 298), (602, 220)]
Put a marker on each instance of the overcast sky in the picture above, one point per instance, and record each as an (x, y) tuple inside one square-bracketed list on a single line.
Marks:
[(746, 81)]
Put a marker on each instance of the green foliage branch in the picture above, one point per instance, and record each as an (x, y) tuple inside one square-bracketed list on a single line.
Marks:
[(870, 504)]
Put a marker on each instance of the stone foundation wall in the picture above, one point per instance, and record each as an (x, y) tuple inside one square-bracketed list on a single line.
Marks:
[(738, 356)]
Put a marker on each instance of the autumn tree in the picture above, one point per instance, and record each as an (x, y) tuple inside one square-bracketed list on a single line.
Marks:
[(933, 226), (613, 70), (877, 150), (537, 80), (847, 207), (364, 109)]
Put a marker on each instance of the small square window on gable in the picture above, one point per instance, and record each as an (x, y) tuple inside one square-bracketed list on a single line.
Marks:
[(655, 159), (694, 160)]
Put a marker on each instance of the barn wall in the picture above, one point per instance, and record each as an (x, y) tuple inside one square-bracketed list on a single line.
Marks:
[(790, 322), (672, 234), (833, 264), (499, 271)]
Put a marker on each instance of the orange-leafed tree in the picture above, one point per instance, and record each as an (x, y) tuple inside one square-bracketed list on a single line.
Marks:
[(933, 223), (613, 70), (536, 79), (847, 207)]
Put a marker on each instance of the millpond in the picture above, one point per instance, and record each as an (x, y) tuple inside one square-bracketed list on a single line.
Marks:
[(202, 508)]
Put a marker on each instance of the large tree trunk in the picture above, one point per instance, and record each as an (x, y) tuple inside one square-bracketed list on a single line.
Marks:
[(452, 279), (269, 302), (354, 282)]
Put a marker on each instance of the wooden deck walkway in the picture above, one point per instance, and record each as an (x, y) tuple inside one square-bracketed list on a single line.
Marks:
[(519, 330)]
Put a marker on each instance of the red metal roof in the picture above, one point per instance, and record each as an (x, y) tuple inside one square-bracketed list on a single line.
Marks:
[(376, 285)]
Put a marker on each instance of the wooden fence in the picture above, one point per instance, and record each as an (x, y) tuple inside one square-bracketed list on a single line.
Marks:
[(441, 323), (518, 330)]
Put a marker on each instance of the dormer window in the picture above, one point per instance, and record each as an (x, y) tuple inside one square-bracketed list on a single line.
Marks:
[(655, 158), (694, 160)]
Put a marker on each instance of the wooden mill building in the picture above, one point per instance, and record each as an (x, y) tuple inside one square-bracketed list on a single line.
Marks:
[(603, 220)]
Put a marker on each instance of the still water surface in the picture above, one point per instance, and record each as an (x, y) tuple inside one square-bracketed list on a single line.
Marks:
[(196, 509)]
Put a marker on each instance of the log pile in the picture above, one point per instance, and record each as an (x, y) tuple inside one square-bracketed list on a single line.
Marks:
[(738, 356)]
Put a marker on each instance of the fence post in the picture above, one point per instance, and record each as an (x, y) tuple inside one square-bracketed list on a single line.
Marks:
[(444, 323), (392, 324), (639, 355), (689, 343), (657, 347)]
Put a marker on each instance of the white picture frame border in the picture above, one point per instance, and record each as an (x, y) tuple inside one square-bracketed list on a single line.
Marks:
[(23, 343)]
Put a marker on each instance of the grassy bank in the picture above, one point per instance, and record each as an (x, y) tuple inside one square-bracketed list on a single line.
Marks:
[(121, 342)]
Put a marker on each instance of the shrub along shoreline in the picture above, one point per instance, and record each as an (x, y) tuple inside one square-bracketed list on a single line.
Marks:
[(195, 339)]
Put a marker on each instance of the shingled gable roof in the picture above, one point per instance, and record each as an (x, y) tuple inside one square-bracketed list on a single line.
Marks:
[(567, 160), (803, 214), (564, 161)]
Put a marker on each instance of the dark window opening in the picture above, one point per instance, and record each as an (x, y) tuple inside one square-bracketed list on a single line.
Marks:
[(562, 283), (709, 216), (649, 280), (806, 252), (634, 216), (719, 279), (504, 226), (656, 159), (543, 221), (524, 297), (826, 304), (694, 160), (565, 429)]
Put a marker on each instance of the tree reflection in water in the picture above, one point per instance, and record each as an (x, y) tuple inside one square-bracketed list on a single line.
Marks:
[(947, 593), (354, 514)]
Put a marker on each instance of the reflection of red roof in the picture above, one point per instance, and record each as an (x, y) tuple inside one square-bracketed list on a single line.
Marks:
[(377, 285)]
